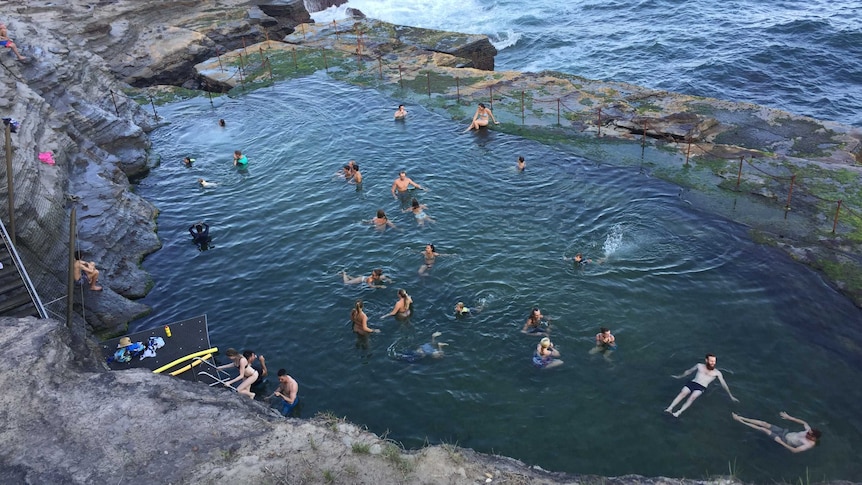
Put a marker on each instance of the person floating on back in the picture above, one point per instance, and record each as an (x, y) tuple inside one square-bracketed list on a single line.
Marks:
[(431, 349), (796, 441), (706, 373)]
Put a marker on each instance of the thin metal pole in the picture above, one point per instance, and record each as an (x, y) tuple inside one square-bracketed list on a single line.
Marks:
[(153, 104), (558, 111), (70, 282), (244, 51), (325, 65), (379, 65), (400, 77), (491, 96), (790, 193), (269, 65), (739, 174), (522, 106), (429, 83), (10, 182), (114, 99), (295, 65), (599, 122), (458, 89), (643, 134), (220, 66), (835, 223), (335, 26), (688, 151), (262, 59), (210, 95)]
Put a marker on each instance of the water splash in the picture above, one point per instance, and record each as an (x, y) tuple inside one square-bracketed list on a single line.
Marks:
[(614, 240)]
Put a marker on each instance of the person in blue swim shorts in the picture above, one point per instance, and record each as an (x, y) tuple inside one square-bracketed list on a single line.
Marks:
[(288, 391)]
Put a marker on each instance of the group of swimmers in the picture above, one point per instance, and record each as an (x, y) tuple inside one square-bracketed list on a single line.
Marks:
[(251, 372)]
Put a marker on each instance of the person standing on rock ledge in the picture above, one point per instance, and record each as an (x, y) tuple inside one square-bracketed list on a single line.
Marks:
[(6, 42)]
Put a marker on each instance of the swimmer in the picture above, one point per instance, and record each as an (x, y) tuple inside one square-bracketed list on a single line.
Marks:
[(356, 178), (188, 161), (578, 260), (400, 113), (706, 373), (247, 374), (480, 119), (431, 349), (221, 123), (546, 356), (605, 343), (430, 255), (535, 322), (381, 221), (403, 307), (461, 310), (374, 280), (347, 170), (200, 233), (403, 183), (206, 184), (239, 160), (521, 164), (794, 441), (418, 211), (360, 321)]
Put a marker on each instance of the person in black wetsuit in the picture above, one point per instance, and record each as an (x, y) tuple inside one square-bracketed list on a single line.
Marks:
[(200, 235)]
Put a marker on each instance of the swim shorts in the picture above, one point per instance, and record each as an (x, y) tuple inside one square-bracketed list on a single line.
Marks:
[(694, 386)]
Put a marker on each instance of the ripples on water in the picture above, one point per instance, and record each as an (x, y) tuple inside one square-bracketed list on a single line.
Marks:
[(673, 284), (801, 56)]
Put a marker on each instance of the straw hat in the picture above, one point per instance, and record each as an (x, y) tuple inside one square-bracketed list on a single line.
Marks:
[(124, 342)]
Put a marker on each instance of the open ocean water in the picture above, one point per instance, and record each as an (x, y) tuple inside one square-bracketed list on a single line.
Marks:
[(801, 56)]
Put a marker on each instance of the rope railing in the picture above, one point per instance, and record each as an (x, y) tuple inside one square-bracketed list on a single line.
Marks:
[(503, 94)]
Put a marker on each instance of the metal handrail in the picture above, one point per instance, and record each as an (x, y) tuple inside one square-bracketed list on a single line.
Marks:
[(217, 378), (28, 284)]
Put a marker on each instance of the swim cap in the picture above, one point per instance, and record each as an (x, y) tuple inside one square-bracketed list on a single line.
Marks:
[(545, 343)]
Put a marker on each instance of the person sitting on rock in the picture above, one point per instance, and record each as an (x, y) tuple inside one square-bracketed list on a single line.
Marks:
[(6, 42), (85, 271)]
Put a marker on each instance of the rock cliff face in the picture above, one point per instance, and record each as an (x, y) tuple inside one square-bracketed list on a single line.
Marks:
[(70, 100)]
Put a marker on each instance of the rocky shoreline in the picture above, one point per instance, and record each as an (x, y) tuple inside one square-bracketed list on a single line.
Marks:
[(74, 98)]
